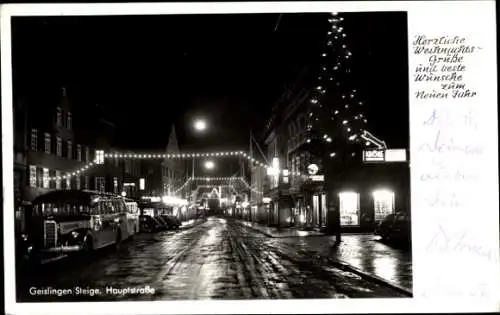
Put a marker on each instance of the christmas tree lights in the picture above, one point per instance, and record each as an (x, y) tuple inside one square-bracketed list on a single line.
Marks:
[(336, 116)]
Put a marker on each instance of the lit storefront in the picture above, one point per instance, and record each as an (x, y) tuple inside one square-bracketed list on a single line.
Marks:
[(349, 207)]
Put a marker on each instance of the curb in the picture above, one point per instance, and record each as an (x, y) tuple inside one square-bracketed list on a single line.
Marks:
[(371, 277)]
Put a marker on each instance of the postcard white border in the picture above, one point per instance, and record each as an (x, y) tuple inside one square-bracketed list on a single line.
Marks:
[(423, 16)]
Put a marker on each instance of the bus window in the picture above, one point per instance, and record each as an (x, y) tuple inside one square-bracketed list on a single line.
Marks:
[(51, 209)]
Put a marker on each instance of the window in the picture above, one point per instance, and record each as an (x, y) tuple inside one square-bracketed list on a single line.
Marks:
[(45, 178), (100, 184), (86, 182), (78, 182), (47, 143), (69, 122), (32, 175), (349, 208), (87, 154), (79, 152), (99, 157), (115, 185), (34, 139), (383, 204), (59, 117), (59, 146), (58, 179), (70, 150), (39, 177), (68, 181)]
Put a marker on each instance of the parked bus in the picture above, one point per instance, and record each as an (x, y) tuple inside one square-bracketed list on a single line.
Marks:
[(66, 221), (132, 216)]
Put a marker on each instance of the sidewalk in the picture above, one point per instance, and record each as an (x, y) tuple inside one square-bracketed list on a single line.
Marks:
[(363, 254), (274, 232)]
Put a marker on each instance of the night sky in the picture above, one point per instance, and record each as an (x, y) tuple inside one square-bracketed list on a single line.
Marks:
[(147, 72)]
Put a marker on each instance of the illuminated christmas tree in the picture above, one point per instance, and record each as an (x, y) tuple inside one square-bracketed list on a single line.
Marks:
[(337, 126)]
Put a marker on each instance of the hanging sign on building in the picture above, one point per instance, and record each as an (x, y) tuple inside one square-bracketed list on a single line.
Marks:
[(317, 178), (312, 169), (373, 156), (395, 155), (384, 156)]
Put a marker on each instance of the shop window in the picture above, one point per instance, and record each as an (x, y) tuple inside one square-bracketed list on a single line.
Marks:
[(78, 182), (349, 208), (115, 185), (86, 182), (68, 180), (383, 204)]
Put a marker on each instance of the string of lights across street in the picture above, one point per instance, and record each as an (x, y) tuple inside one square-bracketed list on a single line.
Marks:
[(101, 156)]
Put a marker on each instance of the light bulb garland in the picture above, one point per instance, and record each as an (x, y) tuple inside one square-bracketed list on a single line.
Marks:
[(78, 172), (210, 179), (190, 155), (151, 156)]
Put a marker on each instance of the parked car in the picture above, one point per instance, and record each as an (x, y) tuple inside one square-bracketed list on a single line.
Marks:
[(149, 224), (395, 227), (172, 222)]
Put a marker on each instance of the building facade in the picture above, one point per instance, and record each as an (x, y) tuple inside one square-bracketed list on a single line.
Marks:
[(46, 145), (54, 141), (311, 185)]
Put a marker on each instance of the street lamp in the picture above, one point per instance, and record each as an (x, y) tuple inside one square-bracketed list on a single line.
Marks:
[(209, 165), (200, 125)]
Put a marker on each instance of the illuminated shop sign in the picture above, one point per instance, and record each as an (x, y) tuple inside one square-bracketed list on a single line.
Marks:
[(374, 156), (389, 155), (395, 155), (317, 178), (312, 169)]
